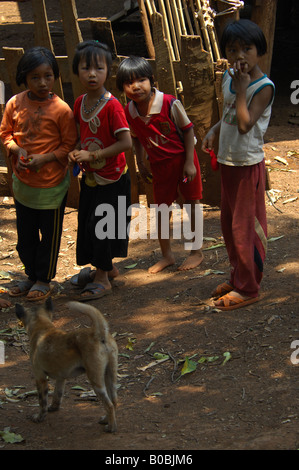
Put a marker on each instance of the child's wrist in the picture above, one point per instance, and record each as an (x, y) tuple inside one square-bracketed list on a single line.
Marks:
[(95, 155)]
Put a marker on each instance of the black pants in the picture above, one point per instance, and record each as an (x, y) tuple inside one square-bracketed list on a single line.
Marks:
[(90, 249), (39, 235)]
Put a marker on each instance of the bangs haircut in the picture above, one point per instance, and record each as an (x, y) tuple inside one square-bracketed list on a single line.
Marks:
[(91, 51), (32, 59), (132, 68), (246, 32)]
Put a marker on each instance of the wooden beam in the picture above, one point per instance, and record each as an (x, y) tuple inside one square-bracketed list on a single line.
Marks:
[(72, 38), (42, 35)]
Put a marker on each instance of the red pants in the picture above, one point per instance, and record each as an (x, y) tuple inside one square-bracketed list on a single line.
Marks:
[(244, 224)]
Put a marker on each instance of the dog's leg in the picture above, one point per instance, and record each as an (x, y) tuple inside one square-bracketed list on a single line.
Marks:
[(96, 376), (57, 396), (109, 419), (42, 388), (111, 382)]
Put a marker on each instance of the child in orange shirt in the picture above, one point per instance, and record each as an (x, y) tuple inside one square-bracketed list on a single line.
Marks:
[(38, 130)]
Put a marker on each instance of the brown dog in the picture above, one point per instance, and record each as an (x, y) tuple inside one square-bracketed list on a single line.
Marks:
[(59, 355)]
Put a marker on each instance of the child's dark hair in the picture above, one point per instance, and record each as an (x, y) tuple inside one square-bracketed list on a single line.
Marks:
[(246, 32), (131, 68), (32, 59), (90, 50)]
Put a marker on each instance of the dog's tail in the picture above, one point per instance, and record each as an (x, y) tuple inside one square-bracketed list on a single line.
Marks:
[(100, 324)]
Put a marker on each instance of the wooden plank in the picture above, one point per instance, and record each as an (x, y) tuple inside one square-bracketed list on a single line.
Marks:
[(102, 31), (164, 67), (73, 36), (197, 71), (42, 35)]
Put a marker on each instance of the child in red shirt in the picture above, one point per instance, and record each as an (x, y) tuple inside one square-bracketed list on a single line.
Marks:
[(160, 126), (104, 138)]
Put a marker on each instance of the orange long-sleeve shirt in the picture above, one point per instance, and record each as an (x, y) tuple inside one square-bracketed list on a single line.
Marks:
[(40, 127)]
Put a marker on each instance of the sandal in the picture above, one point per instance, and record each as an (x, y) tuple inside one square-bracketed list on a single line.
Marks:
[(23, 286), (82, 278), (222, 289), (96, 292), (231, 302), (44, 289)]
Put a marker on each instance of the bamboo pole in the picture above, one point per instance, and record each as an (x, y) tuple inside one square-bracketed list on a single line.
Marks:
[(195, 20), (181, 17), (146, 30), (166, 28), (149, 7), (172, 29), (177, 23), (187, 15), (209, 21), (204, 28), (153, 5)]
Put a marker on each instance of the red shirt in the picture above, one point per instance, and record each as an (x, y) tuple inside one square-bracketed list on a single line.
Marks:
[(158, 133), (99, 132)]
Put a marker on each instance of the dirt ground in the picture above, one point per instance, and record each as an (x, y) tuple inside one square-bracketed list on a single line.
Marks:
[(243, 391)]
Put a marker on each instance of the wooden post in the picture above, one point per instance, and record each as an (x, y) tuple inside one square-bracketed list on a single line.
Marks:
[(197, 71), (164, 67), (42, 35), (264, 14), (72, 38)]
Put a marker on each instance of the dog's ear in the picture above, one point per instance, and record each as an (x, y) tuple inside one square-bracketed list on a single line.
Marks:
[(20, 312), (49, 305)]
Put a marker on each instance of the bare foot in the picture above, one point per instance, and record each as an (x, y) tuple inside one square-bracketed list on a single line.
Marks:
[(4, 303), (162, 264), (113, 273), (193, 260)]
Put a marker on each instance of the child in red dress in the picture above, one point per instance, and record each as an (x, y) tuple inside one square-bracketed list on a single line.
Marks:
[(160, 126)]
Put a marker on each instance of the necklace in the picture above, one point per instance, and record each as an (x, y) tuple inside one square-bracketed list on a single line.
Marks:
[(90, 110)]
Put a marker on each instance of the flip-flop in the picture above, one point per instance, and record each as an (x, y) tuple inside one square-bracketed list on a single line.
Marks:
[(46, 291), (230, 302), (82, 278), (23, 286), (222, 289), (97, 291)]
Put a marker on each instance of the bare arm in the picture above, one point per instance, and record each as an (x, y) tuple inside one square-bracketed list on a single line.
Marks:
[(123, 143), (209, 139), (248, 116), (189, 168)]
